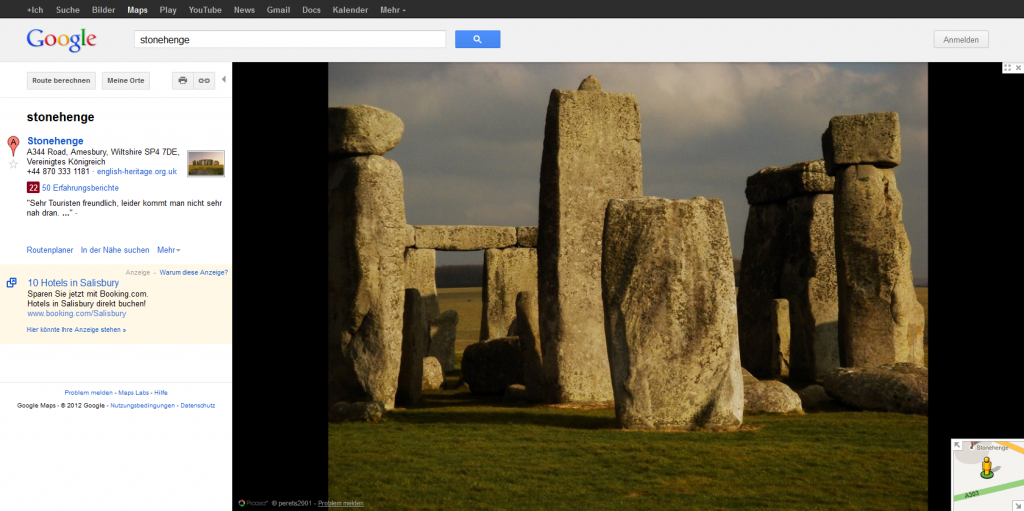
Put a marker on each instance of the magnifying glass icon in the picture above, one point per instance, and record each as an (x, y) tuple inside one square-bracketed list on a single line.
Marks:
[(476, 39)]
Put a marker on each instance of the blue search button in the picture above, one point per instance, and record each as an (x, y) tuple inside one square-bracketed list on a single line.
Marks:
[(478, 38)]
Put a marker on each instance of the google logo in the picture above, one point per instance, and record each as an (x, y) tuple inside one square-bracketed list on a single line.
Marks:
[(63, 40)]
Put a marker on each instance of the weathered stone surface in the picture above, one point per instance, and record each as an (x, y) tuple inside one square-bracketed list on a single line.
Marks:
[(789, 253), (591, 155), (892, 387), (433, 374), (529, 341), (514, 393), (876, 290), (442, 339), (526, 237), (464, 237), (769, 396), (419, 275), (410, 236), (507, 272), (358, 412), (365, 246), (772, 184), (813, 396), (747, 377), (362, 130), (415, 336), (590, 83), (670, 314), (915, 334), (764, 251), (491, 366), (808, 282), (780, 343), (872, 139)]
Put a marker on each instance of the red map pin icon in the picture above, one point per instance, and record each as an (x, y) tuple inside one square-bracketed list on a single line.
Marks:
[(13, 142)]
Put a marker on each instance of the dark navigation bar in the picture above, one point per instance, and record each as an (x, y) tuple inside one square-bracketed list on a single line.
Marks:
[(517, 9)]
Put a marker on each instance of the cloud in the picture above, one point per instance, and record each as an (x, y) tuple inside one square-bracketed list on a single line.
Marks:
[(474, 132)]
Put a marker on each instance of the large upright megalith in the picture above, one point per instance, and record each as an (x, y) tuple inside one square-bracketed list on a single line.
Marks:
[(415, 337), (788, 253), (366, 239), (507, 272), (877, 303), (591, 155), (670, 314), (419, 275)]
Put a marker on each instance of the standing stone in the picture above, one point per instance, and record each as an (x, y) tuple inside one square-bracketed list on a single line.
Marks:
[(529, 342), (780, 328), (415, 335), (365, 244), (591, 155), (670, 314), (808, 282), (764, 251), (915, 333), (506, 273), (419, 275), (362, 130), (876, 290), (442, 339), (789, 253), (433, 374)]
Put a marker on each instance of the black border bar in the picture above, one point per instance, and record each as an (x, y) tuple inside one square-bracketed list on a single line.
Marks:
[(347, 9)]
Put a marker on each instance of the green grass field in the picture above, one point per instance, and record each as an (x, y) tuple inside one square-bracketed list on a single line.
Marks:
[(206, 170), (458, 451)]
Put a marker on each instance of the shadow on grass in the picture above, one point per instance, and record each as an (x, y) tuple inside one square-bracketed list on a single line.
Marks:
[(470, 409), (504, 416)]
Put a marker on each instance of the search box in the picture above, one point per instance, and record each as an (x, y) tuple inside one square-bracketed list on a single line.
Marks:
[(478, 38), (289, 38)]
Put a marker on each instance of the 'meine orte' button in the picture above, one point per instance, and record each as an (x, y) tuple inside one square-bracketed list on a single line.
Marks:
[(961, 38)]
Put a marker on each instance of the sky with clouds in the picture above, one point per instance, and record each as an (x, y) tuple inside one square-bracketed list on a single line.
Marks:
[(474, 132)]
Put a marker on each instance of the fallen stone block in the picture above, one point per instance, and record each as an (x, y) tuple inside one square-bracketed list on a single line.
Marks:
[(491, 366), (892, 387), (813, 396), (356, 412), (770, 396)]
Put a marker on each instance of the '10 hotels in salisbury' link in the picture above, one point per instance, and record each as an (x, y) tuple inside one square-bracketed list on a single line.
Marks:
[(75, 40)]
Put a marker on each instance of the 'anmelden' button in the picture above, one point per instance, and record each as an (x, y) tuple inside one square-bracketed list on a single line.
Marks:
[(961, 38)]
